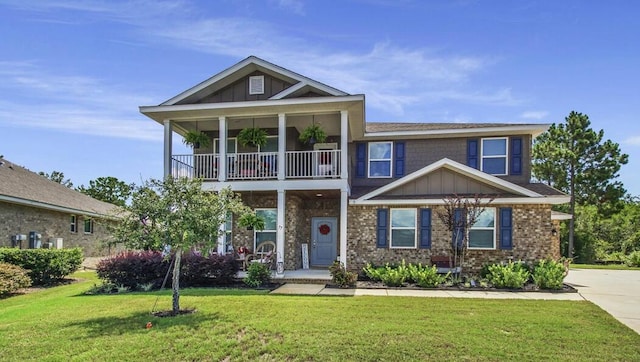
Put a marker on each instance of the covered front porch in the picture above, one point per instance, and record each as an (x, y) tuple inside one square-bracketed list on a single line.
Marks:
[(308, 228)]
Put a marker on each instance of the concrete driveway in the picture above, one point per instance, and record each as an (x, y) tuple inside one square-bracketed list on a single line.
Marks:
[(615, 291)]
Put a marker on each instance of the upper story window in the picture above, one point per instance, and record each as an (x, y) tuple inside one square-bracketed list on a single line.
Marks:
[(74, 224), (380, 159), (482, 235), (403, 228), (231, 145), (494, 156), (88, 226)]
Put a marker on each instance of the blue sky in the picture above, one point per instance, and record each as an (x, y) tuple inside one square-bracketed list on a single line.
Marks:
[(73, 73)]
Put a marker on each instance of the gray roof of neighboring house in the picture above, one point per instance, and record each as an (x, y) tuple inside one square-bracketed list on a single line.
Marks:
[(406, 126), (21, 186)]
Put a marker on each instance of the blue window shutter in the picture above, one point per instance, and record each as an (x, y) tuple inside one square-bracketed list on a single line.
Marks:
[(361, 159), (516, 156), (425, 228), (399, 159), (458, 233), (506, 227), (472, 154), (382, 227)]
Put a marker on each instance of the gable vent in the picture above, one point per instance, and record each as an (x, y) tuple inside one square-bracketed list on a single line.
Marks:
[(256, 84)]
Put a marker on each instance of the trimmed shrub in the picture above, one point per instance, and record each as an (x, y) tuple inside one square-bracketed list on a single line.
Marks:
[(213, 270), (634, 259), (426, 277), (146, 270), (133, 268), (12, 278), (342, 277), (511, 275), (45, 266), (258, 274), (549, 274)]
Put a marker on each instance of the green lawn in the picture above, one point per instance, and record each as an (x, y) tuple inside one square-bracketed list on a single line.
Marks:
[(603, 266), (62, 324)]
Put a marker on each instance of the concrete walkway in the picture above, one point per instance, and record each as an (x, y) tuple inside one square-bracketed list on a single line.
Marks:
[(615, 291), (318, 289)]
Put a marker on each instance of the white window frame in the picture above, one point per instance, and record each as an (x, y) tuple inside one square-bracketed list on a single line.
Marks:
[(256, 232), (270, 136), (90, 221), (256, 78), (369, 159), (414, 228), (216, 141), (228, 234), (494, 229), (505, 156), (74, 224)]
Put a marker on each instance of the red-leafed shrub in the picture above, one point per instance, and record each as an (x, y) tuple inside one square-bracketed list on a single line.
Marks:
[(147, 269)]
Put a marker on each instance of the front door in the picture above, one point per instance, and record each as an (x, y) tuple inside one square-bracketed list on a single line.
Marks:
[(324, 239)]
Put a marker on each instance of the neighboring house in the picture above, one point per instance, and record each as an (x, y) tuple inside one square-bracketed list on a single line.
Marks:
[(370, 192), (31, 204)]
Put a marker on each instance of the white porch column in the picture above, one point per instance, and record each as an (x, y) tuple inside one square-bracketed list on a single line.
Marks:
[(281, 222), (343, 227), (344, 139), (223, 234), (282, 144), (222, 149), (168, 146)]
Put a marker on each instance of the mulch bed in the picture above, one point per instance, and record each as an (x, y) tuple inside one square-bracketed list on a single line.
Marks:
[(410, 286)]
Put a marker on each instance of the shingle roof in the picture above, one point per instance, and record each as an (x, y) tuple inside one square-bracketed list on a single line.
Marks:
[(21, 186), (406, 126)]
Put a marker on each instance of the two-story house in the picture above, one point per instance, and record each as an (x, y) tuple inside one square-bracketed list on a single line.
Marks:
[(370, 191)]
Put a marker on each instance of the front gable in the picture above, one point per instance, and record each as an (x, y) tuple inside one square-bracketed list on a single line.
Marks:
[(447, 177), (443, 182), (237, 84)]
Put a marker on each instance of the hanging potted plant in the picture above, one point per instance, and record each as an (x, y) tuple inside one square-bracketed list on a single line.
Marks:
[(251, 221), (196, 139), (253, 137), (312, 134)]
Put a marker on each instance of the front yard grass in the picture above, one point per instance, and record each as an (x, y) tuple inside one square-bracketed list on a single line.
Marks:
[(237, 325), (603, 266)]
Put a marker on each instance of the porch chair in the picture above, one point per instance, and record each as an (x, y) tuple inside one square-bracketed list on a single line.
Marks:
[(264, 253)]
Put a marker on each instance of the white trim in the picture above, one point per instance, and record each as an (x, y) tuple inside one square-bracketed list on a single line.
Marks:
[(273, 185), (414, 228), (494, 228), (168, 144), (369, 159), (265, 230), (456, 167), (249, 65), (256, 85), (505, 156), (344, 205), (532, 129), (240, 109), (217, 140), (548, 200), (557, 215), (280, 223)]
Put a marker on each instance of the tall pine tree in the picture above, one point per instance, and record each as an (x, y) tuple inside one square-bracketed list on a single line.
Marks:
[(573, 158)]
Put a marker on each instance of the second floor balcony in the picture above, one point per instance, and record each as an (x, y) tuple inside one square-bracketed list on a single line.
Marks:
[(259, 165)]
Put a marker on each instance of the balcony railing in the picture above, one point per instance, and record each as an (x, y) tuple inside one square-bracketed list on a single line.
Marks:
[(259, 165)]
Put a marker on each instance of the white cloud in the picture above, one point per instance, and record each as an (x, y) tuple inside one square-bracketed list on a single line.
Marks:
[(534, 114), (633, 141), (295, 6)]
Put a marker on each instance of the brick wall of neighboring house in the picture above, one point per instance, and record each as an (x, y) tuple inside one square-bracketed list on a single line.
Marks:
[(532, 240), (18, 219)]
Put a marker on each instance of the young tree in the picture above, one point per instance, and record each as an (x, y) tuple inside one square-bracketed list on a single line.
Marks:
[(108, 189), (176, 213), (574, 159), (58, 177), (458, 215)]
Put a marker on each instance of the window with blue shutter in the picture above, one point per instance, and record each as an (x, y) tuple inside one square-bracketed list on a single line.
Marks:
[(382, 228), (472, 153), (516, 156), (425, 228), (506, 228), (458, 230), (361, 159), (399, 154)]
